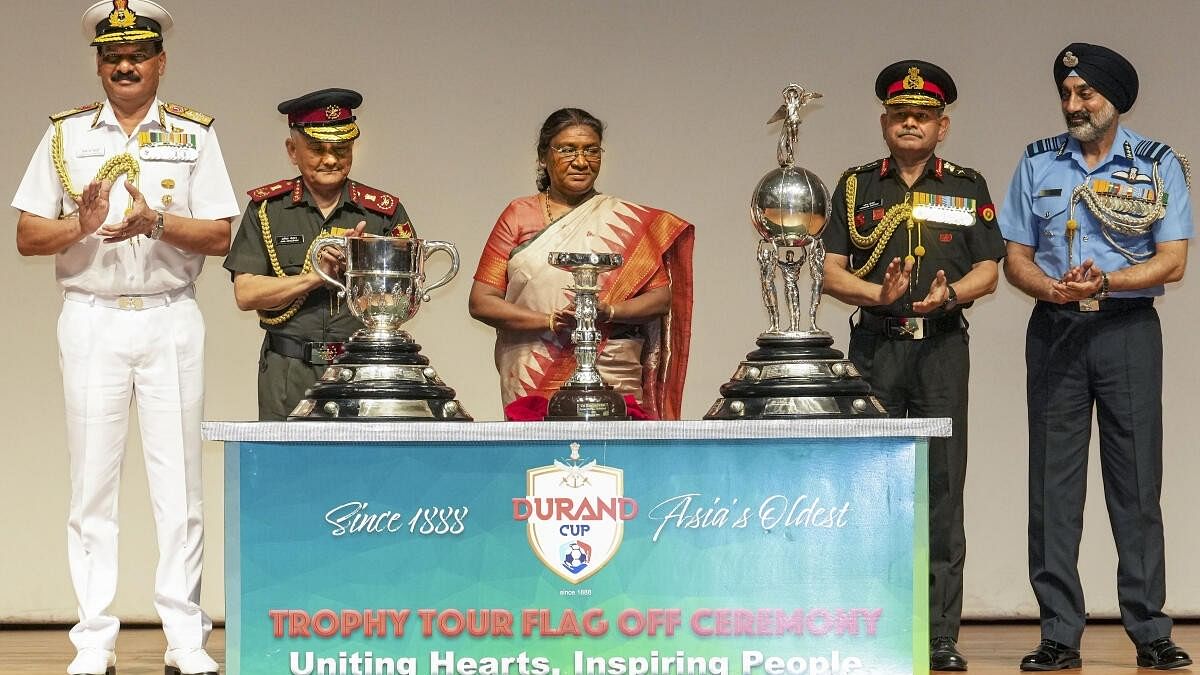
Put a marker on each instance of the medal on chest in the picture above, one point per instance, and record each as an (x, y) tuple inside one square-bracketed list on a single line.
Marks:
[(945, 209), (1123, 205), (170, 146)]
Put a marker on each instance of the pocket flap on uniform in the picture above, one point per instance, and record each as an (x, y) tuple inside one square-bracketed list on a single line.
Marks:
[(1048, 206)]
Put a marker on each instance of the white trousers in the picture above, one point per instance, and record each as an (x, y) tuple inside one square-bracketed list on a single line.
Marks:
[(155, 355)]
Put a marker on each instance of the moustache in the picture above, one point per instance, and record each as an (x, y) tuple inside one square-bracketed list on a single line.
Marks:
[(915, 134), (126, 77), (1078, 118)]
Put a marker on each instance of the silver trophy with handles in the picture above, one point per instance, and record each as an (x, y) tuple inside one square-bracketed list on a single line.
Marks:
[(382, 375)]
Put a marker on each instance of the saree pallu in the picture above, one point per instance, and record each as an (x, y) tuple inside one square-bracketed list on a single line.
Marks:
[(657, 248)]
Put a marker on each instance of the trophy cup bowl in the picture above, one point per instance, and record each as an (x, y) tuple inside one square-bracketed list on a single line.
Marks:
[(586, 267), (585, 396), (385, 279), (382, 375), (790, 206)]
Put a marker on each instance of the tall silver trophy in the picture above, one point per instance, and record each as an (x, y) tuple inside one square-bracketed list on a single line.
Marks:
[(585, 396), (795, 372), (382, 375)]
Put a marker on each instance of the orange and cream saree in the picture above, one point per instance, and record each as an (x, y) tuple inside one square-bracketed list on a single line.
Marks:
[(648, 360)]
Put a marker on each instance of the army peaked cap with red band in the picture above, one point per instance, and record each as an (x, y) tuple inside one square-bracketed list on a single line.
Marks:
[(111, 22), (915, 82), (326, 115)]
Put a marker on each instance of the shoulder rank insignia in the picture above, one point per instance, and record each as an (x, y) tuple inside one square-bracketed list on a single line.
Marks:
[(270, 190), (373, 200), (1046, 145), (188, 114), (962, 171), (75, 111), (865, 167), (1152, 150)]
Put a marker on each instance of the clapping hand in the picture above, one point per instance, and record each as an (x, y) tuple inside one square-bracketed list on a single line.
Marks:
[(895, 281), (141, 219), (93, 206), (1079, 283), (939, 292)]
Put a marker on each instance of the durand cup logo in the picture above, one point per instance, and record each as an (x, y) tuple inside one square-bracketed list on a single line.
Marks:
[(575, 512)]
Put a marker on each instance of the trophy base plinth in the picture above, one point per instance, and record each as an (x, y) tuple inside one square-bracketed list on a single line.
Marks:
[(586, 402), (794, 346), (365, 347), (380, 410), (793, 407), (795, 375), (380, 380)]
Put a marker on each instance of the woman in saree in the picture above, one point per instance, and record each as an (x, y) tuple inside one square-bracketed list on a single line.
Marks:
[(644, 309)]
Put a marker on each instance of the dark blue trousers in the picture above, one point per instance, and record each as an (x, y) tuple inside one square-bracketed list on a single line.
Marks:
[(1109, 362)]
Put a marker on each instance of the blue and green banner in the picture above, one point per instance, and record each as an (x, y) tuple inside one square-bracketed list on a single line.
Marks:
[(780, 556)]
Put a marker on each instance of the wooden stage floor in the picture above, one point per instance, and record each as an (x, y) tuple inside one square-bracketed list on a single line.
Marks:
[(991, 648)]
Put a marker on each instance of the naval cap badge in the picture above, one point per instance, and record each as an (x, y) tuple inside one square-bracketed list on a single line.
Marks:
[(121, 16), (1070, 60)]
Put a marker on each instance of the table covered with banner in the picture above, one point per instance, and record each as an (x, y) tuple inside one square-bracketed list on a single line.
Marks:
[(601, 548)]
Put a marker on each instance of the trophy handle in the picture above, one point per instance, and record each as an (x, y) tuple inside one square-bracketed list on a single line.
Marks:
[(432, 246), (315, 252)]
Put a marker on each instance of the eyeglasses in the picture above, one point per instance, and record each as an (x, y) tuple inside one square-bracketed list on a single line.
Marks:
[(340, 150), (919, 116), (136, 58), (566, 152)]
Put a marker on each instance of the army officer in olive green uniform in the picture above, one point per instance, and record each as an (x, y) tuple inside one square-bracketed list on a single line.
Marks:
[(912, 240), (305, 321)]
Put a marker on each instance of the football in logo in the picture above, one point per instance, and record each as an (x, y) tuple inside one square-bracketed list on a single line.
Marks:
[(575, 555)]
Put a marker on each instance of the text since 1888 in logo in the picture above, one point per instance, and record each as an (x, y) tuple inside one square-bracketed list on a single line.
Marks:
[(575, 511)]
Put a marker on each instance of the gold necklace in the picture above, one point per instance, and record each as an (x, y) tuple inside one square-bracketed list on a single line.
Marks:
[(546, 203)]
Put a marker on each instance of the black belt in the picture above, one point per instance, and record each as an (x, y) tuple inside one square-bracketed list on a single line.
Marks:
[(910, 327), (1105, 305), (312, 353)]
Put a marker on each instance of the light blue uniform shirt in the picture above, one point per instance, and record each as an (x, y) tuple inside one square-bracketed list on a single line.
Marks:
[(1038, 204)]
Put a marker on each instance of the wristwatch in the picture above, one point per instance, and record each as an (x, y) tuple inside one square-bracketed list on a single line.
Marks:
[(1103, 292), (951, 300), (157, 231)]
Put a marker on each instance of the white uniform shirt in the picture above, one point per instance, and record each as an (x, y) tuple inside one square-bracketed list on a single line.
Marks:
[(194, 182)]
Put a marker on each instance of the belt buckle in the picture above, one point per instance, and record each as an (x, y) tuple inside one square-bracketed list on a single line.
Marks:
[(1089, 305), (129, 302), (910, 328)]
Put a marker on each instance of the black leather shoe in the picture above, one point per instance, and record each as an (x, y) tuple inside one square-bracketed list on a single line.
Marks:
[(1162, 654), (944, 655), (1051, 655)]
